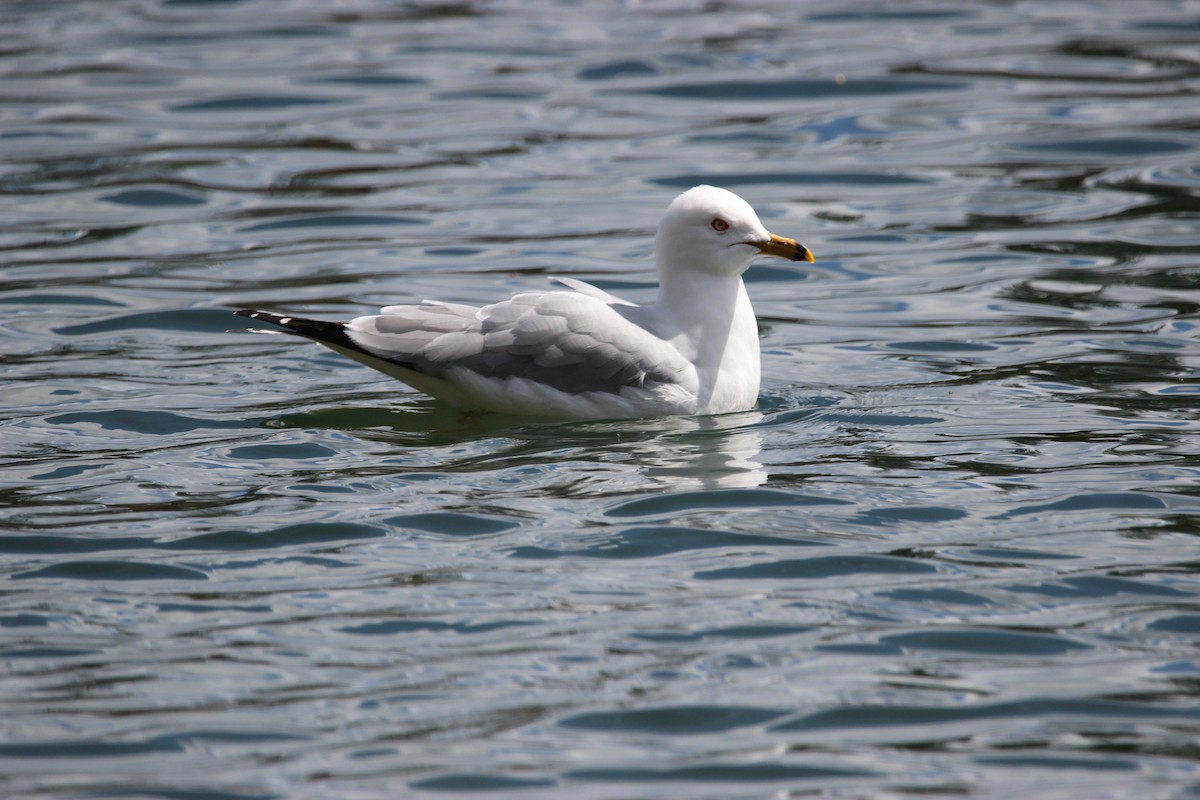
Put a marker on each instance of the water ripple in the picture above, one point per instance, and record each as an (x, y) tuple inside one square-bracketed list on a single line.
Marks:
[(949, 553)]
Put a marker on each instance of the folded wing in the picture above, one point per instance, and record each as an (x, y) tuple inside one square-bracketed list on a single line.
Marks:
[(571, 342), (575, 353)]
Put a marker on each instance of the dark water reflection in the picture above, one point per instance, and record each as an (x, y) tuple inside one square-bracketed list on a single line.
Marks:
[(952, 552)]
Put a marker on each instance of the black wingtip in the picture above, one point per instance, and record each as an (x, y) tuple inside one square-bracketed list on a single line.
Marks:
[(262, 316), (288, 321), (319, 330)]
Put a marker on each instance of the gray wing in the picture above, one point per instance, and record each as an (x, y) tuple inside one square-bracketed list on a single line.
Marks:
[(570, 341)]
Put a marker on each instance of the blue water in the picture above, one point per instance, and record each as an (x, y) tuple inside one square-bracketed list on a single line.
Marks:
[(953, 552)]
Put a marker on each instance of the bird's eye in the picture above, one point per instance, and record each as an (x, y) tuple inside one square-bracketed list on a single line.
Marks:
[(719, 225)]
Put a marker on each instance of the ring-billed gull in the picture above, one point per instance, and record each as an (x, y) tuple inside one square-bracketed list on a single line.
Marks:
[(584, 353)]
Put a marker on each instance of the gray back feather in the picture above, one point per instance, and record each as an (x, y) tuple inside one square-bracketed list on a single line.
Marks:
[(570, 341)]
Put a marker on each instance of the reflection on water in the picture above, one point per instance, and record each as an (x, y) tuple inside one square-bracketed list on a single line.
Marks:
[(950, 553), (685, 453), (726, 461)]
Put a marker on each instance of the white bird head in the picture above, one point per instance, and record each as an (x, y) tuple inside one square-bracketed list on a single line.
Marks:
[(712, 230)]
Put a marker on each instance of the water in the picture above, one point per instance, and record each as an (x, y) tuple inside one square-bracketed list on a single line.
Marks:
[(952, 553)]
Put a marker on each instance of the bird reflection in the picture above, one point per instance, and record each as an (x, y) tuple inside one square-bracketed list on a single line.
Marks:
[(720, 452)]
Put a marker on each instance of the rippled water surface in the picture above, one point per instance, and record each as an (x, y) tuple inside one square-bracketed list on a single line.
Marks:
[(952, 553)]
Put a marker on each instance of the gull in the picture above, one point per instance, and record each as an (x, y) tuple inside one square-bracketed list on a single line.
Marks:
[(584, 353)]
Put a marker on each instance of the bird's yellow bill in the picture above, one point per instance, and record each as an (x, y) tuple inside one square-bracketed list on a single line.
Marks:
[(785, 248)]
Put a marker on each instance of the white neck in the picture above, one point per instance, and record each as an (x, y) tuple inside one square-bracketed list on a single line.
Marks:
[(710, 320)]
